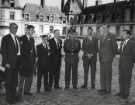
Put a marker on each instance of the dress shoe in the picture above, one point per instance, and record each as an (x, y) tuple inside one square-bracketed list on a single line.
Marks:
[(28, 93), (19, 99), (66, 88), (84, 86), (101, 92), (118, 94), (75, 87), (48, 89), (57, 87), (124, 96), (92, 87), (10, 101), (108, 92), (121, 96), (38, 90)]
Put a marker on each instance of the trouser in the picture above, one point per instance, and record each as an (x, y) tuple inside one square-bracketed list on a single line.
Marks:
[(57, 73), (68, 68), (45, 74), (11, 81), (106, 75), (92, 64), (25, 84), (125, 74)]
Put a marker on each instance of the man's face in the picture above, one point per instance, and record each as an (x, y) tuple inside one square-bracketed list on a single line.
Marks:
[(31, 31), (44, 40), (90, 32), (13, 29), (103, 31), (125, 35)]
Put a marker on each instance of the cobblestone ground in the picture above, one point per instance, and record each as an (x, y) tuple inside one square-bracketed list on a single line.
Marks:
[(79, 96)]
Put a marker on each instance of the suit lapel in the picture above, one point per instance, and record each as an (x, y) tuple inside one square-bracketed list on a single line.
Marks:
[(12, 41)]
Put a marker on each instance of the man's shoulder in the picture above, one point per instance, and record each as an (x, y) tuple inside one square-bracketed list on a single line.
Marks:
[(39, 45), (6, 37), (23, 36), (132, 40)]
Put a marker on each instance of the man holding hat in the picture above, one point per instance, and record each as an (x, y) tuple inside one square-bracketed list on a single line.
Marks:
[(44, 64)]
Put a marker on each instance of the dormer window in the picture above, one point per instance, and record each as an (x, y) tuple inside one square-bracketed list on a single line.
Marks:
[(51, 18), (48, 18), (64, 20), (41, 18), (12, 3), (12, 15), (26, 17)]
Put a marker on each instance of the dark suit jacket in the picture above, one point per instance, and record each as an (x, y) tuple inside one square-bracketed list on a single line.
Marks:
[(72, 46), (127, 56), (9, 51), (90, 47), (9, 56), (43, 58), (56, 48), (108, 48), (28, 56)]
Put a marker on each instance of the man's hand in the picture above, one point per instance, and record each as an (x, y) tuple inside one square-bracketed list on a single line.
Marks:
[(7, 66), (90, 55)]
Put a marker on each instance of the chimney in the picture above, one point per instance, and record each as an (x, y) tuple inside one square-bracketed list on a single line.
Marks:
[(98, 2), (43, 3), (85, 3), (116, 1), (62, 5)]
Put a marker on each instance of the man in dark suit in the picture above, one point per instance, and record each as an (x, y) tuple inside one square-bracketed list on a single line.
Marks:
[(107, 51), (57, 63), (89, 48), (56, 45), (71, 49), (10, 52), (127, 58), (44, 64), (28, 56)]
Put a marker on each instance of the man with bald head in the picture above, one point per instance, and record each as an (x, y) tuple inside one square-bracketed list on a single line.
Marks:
[(10, 54)]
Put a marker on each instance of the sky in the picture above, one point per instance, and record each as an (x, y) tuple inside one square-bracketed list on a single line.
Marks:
[(58, 2)]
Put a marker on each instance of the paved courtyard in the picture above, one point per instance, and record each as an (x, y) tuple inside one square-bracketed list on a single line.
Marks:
[(79, 96)]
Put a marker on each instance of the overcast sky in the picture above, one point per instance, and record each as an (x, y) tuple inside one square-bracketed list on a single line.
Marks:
[(58, 2)]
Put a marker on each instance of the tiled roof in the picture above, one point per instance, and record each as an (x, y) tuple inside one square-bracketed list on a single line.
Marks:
[(33, 10), (75, 6)]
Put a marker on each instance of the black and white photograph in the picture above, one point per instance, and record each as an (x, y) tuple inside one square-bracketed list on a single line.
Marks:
[(67, 52)]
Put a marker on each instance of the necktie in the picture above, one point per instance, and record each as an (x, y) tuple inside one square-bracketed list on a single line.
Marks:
[(124, 44), (17, 46)]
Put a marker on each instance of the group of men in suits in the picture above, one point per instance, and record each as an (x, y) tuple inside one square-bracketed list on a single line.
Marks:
[(107, 48), (18, 58), (49, 62), (21, 57)]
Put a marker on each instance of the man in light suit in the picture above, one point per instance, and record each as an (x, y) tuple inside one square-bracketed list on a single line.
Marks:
[(107, 51), (127, 58), (89, 48), (10, 53), (28, 55)]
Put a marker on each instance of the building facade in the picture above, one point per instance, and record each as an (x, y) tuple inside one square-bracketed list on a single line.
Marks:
[(118, 15), (30, 12)]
